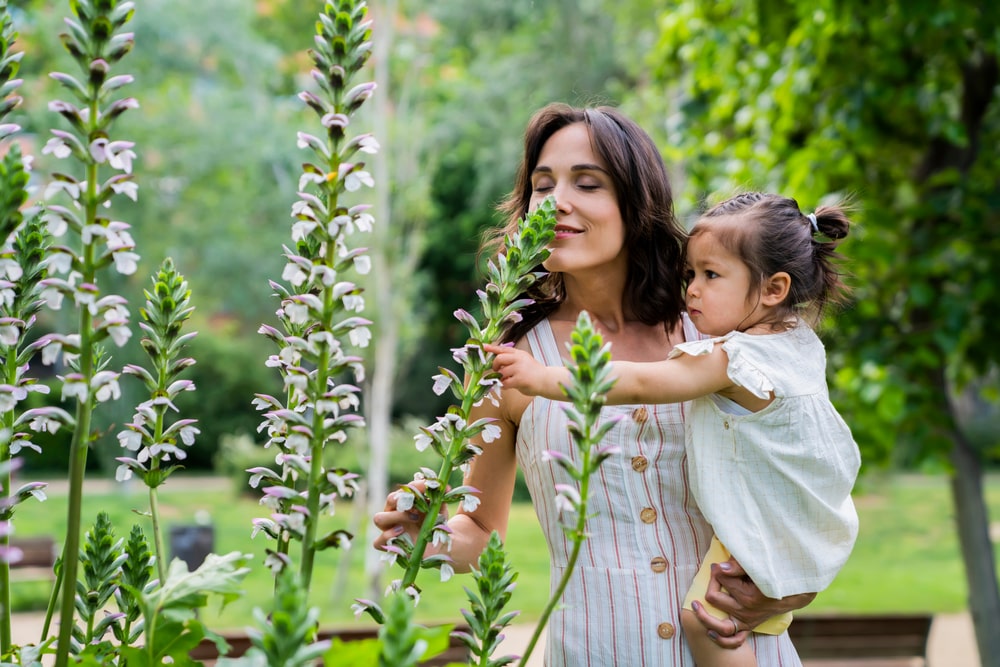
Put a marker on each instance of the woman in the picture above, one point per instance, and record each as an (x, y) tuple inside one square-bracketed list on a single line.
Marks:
[(617, 255)]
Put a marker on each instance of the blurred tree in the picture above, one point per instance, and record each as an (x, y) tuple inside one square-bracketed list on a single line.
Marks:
[(896, 106)]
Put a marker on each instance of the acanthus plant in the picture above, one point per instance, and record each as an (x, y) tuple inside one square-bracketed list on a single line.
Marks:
[(452, 437), (88, 241), (23, 243), (320, 307)]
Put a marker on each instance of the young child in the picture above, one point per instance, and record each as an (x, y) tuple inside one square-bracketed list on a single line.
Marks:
[(770, 461)]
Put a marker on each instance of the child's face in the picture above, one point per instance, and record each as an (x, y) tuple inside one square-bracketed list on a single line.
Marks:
[(718, 292)]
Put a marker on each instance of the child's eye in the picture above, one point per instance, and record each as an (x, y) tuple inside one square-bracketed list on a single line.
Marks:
[(711, 274)]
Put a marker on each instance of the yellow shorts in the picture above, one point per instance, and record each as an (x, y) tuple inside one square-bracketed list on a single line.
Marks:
[(719, 554)]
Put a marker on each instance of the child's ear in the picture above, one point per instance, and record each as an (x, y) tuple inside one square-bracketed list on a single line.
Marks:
[(775, 288)]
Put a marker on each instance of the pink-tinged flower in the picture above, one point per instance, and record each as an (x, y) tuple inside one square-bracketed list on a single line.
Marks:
[(118, 154), (335, 120), (266, 526), (75, 385), (355, 179), (301, 229), (361, 606), (10, 395), (491, 433), (130, 439), (188, 434), (305, 140), (119, 334), (277, 562), (86, 295), (422, 441), (57, 147), (105, 386), (57, 186), (55, 223), (128, 188)]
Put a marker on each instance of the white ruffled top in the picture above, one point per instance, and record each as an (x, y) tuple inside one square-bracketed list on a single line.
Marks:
[(775, 484)]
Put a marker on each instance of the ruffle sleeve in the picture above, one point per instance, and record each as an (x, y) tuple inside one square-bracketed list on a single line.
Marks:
[(694, 347), (744, 373)]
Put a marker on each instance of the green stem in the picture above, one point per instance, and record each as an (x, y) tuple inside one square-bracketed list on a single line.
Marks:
[(10, 373), (81, 435), (154, 512), (578, 537), (437, 498), (51, 606)]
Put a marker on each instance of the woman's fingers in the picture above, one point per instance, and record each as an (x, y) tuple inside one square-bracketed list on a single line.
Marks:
[(726, 632)]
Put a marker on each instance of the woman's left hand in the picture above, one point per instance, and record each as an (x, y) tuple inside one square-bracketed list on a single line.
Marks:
[(731, 591)]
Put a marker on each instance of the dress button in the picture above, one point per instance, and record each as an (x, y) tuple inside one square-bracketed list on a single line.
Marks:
[(648, 515), (640, 463), (658, 564), (725, 425), (665, 630), (640, 415)]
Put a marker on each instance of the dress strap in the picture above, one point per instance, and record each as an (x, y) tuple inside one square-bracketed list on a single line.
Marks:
[(543, 344)]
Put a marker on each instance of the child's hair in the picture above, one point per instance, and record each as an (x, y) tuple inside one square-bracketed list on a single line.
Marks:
[(770, 234)]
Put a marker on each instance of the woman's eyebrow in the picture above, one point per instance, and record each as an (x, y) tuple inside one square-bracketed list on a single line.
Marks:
[(542, 169)]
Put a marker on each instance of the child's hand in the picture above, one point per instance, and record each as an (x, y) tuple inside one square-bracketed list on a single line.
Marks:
[(519, 370)]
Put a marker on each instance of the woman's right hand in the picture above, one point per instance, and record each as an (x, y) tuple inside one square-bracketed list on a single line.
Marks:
[(394, 522)]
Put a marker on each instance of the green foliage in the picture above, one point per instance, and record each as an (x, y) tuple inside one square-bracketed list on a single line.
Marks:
[(169, 612), (286, 635), (495, 580)]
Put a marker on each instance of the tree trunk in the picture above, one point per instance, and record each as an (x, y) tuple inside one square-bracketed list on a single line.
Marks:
[(972, 521)]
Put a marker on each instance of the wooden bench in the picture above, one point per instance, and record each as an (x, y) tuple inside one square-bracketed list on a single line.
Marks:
[(38, 558), (855, 640)]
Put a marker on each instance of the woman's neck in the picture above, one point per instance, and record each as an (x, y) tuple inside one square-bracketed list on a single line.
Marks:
[(602, 299)]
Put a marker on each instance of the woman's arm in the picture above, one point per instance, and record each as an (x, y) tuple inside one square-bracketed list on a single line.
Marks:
[(492, 472), (670, 381)]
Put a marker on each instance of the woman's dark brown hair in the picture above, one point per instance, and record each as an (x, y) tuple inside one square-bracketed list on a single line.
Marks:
[(653, 237)]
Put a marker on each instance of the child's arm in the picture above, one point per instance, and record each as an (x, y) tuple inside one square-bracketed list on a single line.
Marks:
[(519, 370), (670, 381)]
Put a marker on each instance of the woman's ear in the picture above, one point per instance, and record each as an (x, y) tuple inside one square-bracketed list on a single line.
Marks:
[(775, 289)]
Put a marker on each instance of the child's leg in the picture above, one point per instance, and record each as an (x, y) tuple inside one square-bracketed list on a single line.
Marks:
[(709, 654), (704, 649)]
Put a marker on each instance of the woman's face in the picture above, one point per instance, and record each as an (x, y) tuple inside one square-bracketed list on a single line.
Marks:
[(590, 233)]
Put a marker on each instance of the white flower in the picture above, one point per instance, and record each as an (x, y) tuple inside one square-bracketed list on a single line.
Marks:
[(354, 302), (491, 433), (441, 384), (360, 336), (56, 224), (422, 441), (294, 274), (470, 502), (122, 473), (9, 334), (306, 178), (301, 229), (59, 262), (446, 571), (105, 386), (43, 423), (53, 299), (363, 264), (125, 262), (368, 144), (119, 334), (404, 500), (75, 387), (297, 313), (129, 188), (188, 433), (354, 180), (11, 269), (57, 147), (131, 440), (70, 188)]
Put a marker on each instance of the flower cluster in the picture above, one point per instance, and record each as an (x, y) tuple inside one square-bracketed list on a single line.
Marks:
[(319, 315), (149, 435)]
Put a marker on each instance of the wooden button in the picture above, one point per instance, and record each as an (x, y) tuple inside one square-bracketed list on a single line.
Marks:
[(725, 424), (640, 415), (658, 564), (648, 515), (640, 463), (665, 630)]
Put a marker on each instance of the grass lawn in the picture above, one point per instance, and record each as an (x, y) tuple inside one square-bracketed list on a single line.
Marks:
[(906, 559)]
